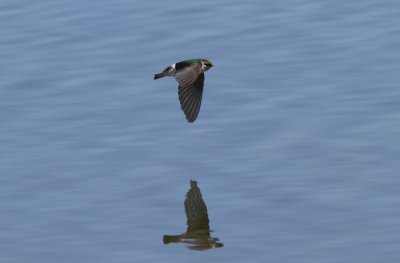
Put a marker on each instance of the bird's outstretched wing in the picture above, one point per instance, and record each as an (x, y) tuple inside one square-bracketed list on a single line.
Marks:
[(186, 74), (196, 209), (190, 96)]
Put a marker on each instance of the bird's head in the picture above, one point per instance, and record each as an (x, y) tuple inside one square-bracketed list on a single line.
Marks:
[(206, 64)]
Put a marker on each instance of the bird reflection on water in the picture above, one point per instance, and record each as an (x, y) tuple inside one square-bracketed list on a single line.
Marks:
[(197, 236)]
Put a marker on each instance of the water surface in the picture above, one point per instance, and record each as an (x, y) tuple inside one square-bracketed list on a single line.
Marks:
[(295, 149)]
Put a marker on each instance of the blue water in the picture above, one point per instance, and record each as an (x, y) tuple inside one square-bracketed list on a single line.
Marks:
[(296, 148)]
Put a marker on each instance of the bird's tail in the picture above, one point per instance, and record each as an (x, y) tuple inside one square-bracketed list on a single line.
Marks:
[(160, 75), (166, 72)]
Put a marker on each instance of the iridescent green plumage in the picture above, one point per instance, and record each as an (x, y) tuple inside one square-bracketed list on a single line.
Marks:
[(198, 60)]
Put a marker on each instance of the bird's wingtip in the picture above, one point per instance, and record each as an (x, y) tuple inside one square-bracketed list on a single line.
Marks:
[(193, 183)]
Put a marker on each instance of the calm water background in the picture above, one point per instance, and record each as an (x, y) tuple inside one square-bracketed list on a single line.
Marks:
[(296, 148)]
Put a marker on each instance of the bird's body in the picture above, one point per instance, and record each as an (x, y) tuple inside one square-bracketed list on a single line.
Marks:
[(190, 76)]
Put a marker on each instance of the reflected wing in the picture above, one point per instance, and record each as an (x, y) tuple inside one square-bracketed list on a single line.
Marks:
[(190, 97), (197, 236), (196, 210)]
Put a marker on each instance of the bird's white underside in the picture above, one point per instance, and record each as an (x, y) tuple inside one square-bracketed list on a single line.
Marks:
[(173, 71)]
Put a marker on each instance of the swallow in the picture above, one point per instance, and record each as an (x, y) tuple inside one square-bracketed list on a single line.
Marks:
[(190, 76)]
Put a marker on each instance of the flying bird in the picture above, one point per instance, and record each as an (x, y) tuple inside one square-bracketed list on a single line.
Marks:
[(190, 76)]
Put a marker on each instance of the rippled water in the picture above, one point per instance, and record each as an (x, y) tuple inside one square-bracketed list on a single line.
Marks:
[(296, 148)]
